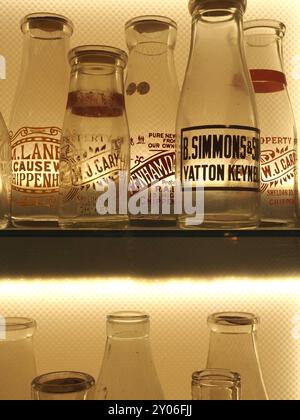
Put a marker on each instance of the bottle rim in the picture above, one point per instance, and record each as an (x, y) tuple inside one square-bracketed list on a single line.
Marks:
[(151, 19), (265, 24), (214, 378), (95, 51), (63, 382), (17, 324), (233, 322), (128, 317), (216, 4), (50, 17)]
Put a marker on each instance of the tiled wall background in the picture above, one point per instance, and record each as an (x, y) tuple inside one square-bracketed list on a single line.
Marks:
[(71, 314)]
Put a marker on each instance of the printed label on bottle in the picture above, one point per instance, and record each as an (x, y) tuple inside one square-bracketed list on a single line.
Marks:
[(35, 160), (278, 166), (93, 158), (222, 157), (278, 170), (152, 161)]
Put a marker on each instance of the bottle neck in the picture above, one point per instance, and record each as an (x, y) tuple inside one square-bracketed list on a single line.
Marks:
[(41, 97), (96, 91), (128, 337), (238, 352), (152, 58), (265, 61), (43, 56), (96, 77), (216, 385), (264, 52), (218, 36), (128, 371)]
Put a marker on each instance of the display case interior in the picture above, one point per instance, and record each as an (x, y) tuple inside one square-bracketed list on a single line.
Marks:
[(69, 281)]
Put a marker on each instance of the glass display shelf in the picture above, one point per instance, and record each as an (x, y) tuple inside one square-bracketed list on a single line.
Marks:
[(150, 254), (151, 233)]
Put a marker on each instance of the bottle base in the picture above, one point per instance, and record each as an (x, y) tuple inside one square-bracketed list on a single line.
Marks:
[(153, 222), (94, 224), (279, 224), (34, 224), (215, 222)]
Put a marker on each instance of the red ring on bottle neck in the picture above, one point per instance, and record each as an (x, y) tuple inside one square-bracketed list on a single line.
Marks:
[(268, 81)]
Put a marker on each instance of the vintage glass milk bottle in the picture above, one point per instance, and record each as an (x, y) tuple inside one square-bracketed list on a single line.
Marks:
[(128, 371), (95, 142), (217, 128), (152, 94), (264, 51), (37, 118), (17, 359), (233, 346), (5, 174), (216, 385)]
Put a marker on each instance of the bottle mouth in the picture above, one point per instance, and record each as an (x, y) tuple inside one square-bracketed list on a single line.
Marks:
[(265, 27), (150, 24), (233, 323), (63, 383), (128, 317), (216, 8), (151, 35), (128, 325), (216, 378), (98, 54), (16, 328), (47, 26)]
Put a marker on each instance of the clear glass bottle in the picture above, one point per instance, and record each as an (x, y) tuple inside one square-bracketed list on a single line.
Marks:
[(5, 175), (152, 95), (217, 128), (63, 386), (233, 346), (95, 141), (37, 118), (216, 385), (264, 51), (128, 371), (17, 359)]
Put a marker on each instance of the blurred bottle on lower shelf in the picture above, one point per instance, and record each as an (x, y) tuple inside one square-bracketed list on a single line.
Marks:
[(17, 360), (233, 346), (63, 386), (128, 371), (5, 175), (216, 385)]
